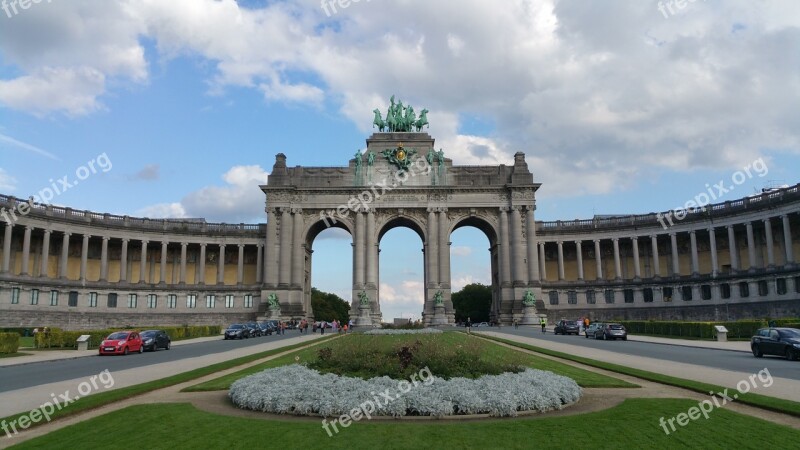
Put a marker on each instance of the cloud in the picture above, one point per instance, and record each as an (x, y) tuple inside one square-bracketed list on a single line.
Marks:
[(163, 211), (72, 90), (460, 250), (7, 182), (11, 142), (149, 172)]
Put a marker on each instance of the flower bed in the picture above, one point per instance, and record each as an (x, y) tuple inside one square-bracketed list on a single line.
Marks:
[(298, 390), (419, 331)]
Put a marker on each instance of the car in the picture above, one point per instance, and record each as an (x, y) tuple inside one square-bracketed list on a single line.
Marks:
[(776, 341), (255, 330), (567, 327), (237, 331), (121, 343), (611, 331), (266, 328), (482, 324), (592, 329), (155, 339)]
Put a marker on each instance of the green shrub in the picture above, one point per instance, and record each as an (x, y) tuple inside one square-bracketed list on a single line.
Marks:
[(58, 338), (700, 330), (9, 342)]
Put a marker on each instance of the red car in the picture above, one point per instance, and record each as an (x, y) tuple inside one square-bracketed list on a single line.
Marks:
[(122, 343)]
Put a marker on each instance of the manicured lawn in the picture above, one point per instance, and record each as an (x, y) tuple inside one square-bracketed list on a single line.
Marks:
[(490, 351), (633, 424), (26, 342)]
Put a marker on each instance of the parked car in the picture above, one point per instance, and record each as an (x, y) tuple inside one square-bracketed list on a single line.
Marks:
[(482, 324), (266, 328), (593, 327), (611, 331), (255, 330), (776, 341), (121, 343), (237, 331), (567, 327), (155, 339)]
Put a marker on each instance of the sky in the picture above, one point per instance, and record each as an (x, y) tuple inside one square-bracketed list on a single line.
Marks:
[(177, 108)]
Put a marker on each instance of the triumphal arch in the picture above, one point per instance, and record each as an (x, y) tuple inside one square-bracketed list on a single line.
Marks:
[(401, 179)]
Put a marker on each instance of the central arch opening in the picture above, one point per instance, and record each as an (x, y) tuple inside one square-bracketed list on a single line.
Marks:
[(401, 273)]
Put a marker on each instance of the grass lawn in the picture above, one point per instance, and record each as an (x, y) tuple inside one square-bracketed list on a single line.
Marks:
[(490, 351), (26, 341), (633, 424)]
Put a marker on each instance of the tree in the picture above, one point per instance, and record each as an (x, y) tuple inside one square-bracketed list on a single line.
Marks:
[(473, 301), (329, 307)]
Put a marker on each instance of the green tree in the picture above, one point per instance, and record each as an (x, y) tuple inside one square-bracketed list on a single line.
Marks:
[(473, 301), (329, 306)]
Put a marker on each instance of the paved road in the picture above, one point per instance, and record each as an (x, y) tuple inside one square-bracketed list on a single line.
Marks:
[(35, 374), (717, 359)]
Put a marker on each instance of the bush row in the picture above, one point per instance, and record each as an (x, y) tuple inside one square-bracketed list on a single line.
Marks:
[(9, 342), (58, 338), (702, 330)]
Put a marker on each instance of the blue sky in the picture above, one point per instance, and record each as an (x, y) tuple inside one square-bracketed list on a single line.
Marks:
[(618, 108)]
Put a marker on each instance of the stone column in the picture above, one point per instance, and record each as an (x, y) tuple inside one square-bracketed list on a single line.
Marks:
[(162, 275), (26, 251), (617, 264), (444, 249), (84, 256), (7, 247), (712, 241), (260, 264), (580, 260), (372, 251), (358, 256), (517, 251), (270, 251), (560, 247), (505, 254), (182, 275), (543, 260), (221, 265), (104, 260), (143, 263), (769, 243), (751, 247), (732, 248), (676, 264), (62, 271), (787, 239), (240, 266), (298, 253), (637, 270), (285, 244), (432, 250), (123, 262), (533, 254), (695, 260), (597, 259), (45, 264), (202, 269), (656, 262)]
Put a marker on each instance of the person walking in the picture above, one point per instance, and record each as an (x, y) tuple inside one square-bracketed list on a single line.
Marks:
[(516, 324), (468, 325), (543, 322), (322, 327)]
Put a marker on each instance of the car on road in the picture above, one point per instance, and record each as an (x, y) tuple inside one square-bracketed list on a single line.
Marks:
[(482, 324), (592, 329), (611, 331), (567, 327), (266, 328), (255, 330), (776, 341), (237, 331), (121, 343), (155, 339)]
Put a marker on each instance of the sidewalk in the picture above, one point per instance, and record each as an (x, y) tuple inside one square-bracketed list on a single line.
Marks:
[(735, 346)]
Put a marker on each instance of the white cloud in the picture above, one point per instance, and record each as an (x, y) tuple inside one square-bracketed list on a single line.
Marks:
[(73, 90), (11, 142), (457, 250), (7, 182), (163, 211)]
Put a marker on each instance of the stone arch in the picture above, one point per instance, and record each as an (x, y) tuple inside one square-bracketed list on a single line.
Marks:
[(490, 231), (401, 220)]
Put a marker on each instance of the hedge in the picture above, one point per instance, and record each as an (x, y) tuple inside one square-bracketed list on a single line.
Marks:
[(9, 342), (743, 329), (58, 338)]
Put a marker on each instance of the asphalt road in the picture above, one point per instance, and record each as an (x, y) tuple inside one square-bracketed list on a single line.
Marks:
[(717, 359), (35, 374)]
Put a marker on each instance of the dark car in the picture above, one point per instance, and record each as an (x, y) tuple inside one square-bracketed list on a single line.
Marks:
[(155, 339), (567, 327), (776, 341), (237, 331), (266, 329), (611, 331), (592, 329), (255, 330)]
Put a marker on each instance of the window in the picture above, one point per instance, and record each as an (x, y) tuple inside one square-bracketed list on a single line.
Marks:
[(705, 292), (553, 297), (14, 295), (609, 294), (725, 290), (152, 301), (92, 299), (744, 289), (191, 301), (797, 284), (112, 300), (172, 301), (132, 300), (229, 301), (34, 296), (53, 298), (780, 286), (590, 299), (668, 294), (73, 299), (647, 293), (628, 293), (248, 301), (686, 293), (211, 301), (572, 297), (763, 289)]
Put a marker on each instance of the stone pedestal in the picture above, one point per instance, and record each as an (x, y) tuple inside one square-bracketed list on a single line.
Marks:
[(364, 317), (439, 316), (274, 313), (529, 316)]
